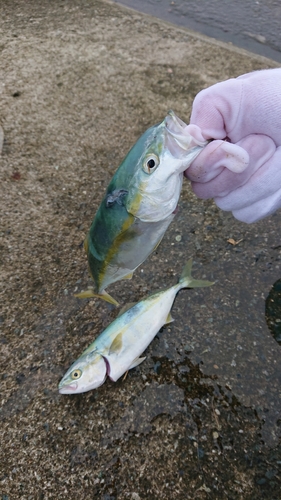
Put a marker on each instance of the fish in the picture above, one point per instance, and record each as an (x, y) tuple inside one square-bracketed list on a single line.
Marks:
[(139, 204), (119, 347)]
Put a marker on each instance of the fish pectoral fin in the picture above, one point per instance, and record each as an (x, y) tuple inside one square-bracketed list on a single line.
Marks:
[(116, 345), (169, 319), (136, 362), (89, 293), (125, 308)]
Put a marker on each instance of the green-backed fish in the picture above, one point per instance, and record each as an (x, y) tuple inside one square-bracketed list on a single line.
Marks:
[(140, 203), (119, 347)]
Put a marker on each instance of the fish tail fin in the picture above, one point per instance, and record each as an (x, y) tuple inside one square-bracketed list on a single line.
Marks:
[(86, 244), (186, 280)]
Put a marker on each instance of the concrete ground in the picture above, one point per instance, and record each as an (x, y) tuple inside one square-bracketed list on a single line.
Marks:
[(251, 24), (200, 418)]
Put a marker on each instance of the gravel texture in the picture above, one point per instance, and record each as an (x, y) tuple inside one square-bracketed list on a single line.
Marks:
[(200, 418)]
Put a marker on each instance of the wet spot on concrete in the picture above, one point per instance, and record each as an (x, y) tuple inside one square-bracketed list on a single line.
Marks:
[(154, 402)]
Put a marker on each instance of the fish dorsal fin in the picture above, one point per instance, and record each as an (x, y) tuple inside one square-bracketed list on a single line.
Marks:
[(126, 308), (116, 345)]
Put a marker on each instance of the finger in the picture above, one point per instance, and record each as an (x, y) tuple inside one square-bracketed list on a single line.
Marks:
[(195, 132), (259, 150), (241, 106), (215, 109), (214, 158), (260, 209), (265, 182)]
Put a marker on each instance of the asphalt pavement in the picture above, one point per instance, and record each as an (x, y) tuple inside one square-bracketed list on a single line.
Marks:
[(253, 25)]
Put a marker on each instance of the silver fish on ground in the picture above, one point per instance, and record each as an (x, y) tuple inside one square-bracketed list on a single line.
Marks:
[(118, 348)]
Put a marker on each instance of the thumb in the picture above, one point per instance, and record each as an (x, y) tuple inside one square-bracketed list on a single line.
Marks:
[(259, 149)]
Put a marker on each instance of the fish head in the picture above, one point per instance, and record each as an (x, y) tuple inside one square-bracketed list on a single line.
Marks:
[(155, 186), (88, 372)]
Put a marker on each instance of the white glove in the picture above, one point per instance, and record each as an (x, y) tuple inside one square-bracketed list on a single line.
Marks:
[(243, 175)]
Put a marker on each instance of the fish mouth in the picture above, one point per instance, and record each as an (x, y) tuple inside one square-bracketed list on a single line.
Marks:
[(182, 138), (177, 142), (107, 364), (68, 389)]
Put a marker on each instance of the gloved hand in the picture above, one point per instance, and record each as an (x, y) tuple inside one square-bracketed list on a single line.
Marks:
[(241, 168)]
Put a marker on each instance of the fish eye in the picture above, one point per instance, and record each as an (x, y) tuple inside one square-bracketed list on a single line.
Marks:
[(150, 163), (76, 374)]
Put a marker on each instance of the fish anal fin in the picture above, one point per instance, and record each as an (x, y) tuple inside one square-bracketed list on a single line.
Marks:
[(89, 293), (116, 345), (136, 362), (125, 308), (157, 244), (169, 319)]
